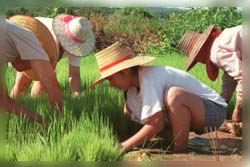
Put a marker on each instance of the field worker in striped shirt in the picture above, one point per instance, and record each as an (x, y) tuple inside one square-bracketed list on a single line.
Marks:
[(219, 50), (74, 36), (157, 95), (20, 47)]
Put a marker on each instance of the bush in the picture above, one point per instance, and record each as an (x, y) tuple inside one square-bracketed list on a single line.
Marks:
[(175, 24), (135, 12), (140, 29)]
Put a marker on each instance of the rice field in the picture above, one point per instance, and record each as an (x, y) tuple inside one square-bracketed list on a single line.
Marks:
[(91, 125)]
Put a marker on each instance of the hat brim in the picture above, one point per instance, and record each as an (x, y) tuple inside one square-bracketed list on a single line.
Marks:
[(43, 35), (138, 60), (67, 43), (197, 47)]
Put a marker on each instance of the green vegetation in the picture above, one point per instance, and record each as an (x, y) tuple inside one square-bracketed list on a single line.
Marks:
[(91, 125), (143, 30)]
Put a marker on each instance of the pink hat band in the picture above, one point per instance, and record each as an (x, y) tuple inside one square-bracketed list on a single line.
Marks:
[(72, 36), (76, 28)]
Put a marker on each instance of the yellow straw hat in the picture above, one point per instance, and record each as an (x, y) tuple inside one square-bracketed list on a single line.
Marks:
[(116, 58), (43, 35)]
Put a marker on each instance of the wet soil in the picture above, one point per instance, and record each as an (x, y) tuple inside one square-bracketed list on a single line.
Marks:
[(229, 148)]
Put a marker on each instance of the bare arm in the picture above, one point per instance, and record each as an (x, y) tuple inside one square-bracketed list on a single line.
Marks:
[(21, 85), (228, 87), (37, 89), (46, 75), (75, 80), (153, 126), (9, 105)]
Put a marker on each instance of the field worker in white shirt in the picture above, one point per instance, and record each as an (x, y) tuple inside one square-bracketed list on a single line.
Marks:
[(155, 93), (74, 36), (21, 46)]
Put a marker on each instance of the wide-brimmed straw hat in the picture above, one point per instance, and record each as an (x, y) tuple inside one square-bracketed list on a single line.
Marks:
[(116, 58), (43, 35), (74, 34), (191, 43)]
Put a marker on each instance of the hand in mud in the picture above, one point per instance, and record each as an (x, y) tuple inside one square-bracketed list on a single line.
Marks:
[(235, 128)]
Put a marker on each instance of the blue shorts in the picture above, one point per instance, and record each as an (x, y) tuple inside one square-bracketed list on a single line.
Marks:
[(215, 114)]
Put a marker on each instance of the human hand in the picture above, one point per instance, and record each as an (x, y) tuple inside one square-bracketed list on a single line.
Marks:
[(125, 148)]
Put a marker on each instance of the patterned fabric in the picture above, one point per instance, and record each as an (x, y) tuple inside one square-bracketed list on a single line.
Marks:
[(214, 116)]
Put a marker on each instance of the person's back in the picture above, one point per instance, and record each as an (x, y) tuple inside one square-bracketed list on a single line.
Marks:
[(24, 51), (18, 40), (166, 77)]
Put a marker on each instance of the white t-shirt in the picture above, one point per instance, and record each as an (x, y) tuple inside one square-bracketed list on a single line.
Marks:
[(20, 41), (154, 81), (73, 60)]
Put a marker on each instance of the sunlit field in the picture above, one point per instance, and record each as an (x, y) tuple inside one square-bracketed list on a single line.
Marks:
[(90, 127)]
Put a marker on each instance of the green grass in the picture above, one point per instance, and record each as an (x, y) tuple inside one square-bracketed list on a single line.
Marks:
[(90, 126)]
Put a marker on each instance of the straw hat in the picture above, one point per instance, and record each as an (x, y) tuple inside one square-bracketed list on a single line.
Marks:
[(43, 35), (74, 33), (192, 43), (116, 58)]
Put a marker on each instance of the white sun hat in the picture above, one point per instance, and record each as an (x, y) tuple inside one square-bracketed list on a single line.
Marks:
[(74, 34)]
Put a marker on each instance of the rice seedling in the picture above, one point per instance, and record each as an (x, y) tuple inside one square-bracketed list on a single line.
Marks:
[(90, 126)]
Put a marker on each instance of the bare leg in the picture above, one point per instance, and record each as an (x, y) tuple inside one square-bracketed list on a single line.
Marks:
[(75, 80), (37, 89), (21, 85), (185, 110)]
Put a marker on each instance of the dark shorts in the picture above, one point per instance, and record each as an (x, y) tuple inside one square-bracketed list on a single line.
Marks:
[(214, 116)]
